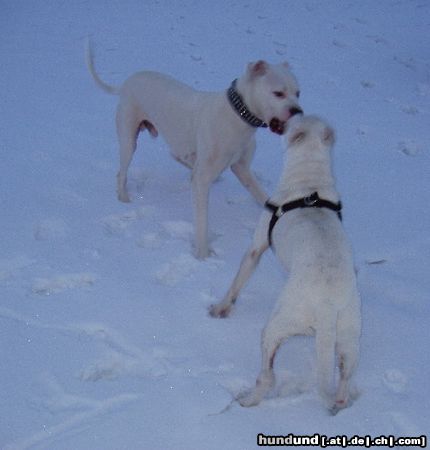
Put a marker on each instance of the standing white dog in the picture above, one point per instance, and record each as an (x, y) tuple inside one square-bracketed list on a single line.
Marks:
[(206, 132), (303, 225)]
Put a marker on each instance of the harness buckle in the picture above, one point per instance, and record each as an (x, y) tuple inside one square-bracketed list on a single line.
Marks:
[(279, 212), (311, 200)]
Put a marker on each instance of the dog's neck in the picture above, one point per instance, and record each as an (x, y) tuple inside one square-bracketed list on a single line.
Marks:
[(303, 175), (236, 96)]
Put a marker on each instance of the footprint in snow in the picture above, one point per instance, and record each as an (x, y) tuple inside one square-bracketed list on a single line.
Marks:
[(363, 130), (406, 109), (179, 229), (60, 283), (280, 48), (182, 268), (403, 425), (115, 364), (409, 63), (10, 268), (76, 412), (178, 269), (423, 89), (196, 58), (409, 109), (50, 229), (360, 21), (409, 148), (151, 241), (377, 39), (121, 357), (395, 380), (339, 44), (367, 84), (117, 224)]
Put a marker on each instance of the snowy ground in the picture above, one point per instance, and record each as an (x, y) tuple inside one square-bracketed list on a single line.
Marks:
[(104, 333)]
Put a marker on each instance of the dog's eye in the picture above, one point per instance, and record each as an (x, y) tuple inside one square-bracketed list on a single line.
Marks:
[(279, 94), (298, 94)]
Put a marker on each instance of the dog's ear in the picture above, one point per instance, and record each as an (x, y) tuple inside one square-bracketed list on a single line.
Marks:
[(257, 69), (328, 136), (296, 136)]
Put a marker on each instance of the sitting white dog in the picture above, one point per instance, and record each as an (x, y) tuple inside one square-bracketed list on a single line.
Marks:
[(302, 224)]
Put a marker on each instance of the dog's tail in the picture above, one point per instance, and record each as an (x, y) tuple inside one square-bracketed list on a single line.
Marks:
[(90, 63)]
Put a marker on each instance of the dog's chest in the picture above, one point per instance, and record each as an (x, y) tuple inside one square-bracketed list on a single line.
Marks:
[(229, 147)]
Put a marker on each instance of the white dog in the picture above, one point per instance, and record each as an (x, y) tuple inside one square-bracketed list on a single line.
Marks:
[(206, 132), (302, 224)]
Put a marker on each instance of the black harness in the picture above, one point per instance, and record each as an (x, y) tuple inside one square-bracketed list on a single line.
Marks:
[(313, 201)]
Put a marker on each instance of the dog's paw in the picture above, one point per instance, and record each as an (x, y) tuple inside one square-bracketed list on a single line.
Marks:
[(249, 398), (338, 405), (219, 311), (123, 197), (203, 253)]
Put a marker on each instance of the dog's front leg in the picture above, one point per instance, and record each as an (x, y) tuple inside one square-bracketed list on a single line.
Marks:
[(243, 172), (127, 126), (247, 267), (249, 181)]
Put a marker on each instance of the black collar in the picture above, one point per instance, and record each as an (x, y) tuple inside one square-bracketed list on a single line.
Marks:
[(237, 103), (313, 201)]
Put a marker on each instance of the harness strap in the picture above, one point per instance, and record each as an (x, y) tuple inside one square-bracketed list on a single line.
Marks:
[(312, 201)]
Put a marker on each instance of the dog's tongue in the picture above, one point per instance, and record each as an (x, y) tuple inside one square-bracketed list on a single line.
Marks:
[(277, 126)]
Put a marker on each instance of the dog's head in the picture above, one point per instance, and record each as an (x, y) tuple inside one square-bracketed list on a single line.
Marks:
[(273, 93), (310, 134), (311, 129)]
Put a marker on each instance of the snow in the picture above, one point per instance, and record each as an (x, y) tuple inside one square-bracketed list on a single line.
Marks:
[(105, 338)]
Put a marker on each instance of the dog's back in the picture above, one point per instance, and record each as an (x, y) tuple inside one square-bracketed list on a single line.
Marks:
[(312, 245)]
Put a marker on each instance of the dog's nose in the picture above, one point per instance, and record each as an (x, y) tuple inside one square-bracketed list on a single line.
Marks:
[(295, 110)]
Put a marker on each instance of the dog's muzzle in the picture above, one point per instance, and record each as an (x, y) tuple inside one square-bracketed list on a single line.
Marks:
[(295, 110), (278, 126)]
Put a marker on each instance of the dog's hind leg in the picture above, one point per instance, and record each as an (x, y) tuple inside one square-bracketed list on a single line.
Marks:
[(201, 181), (347, 363), (147, 125), (127, 128), (326, 358), (347, 348), (274, 334)]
